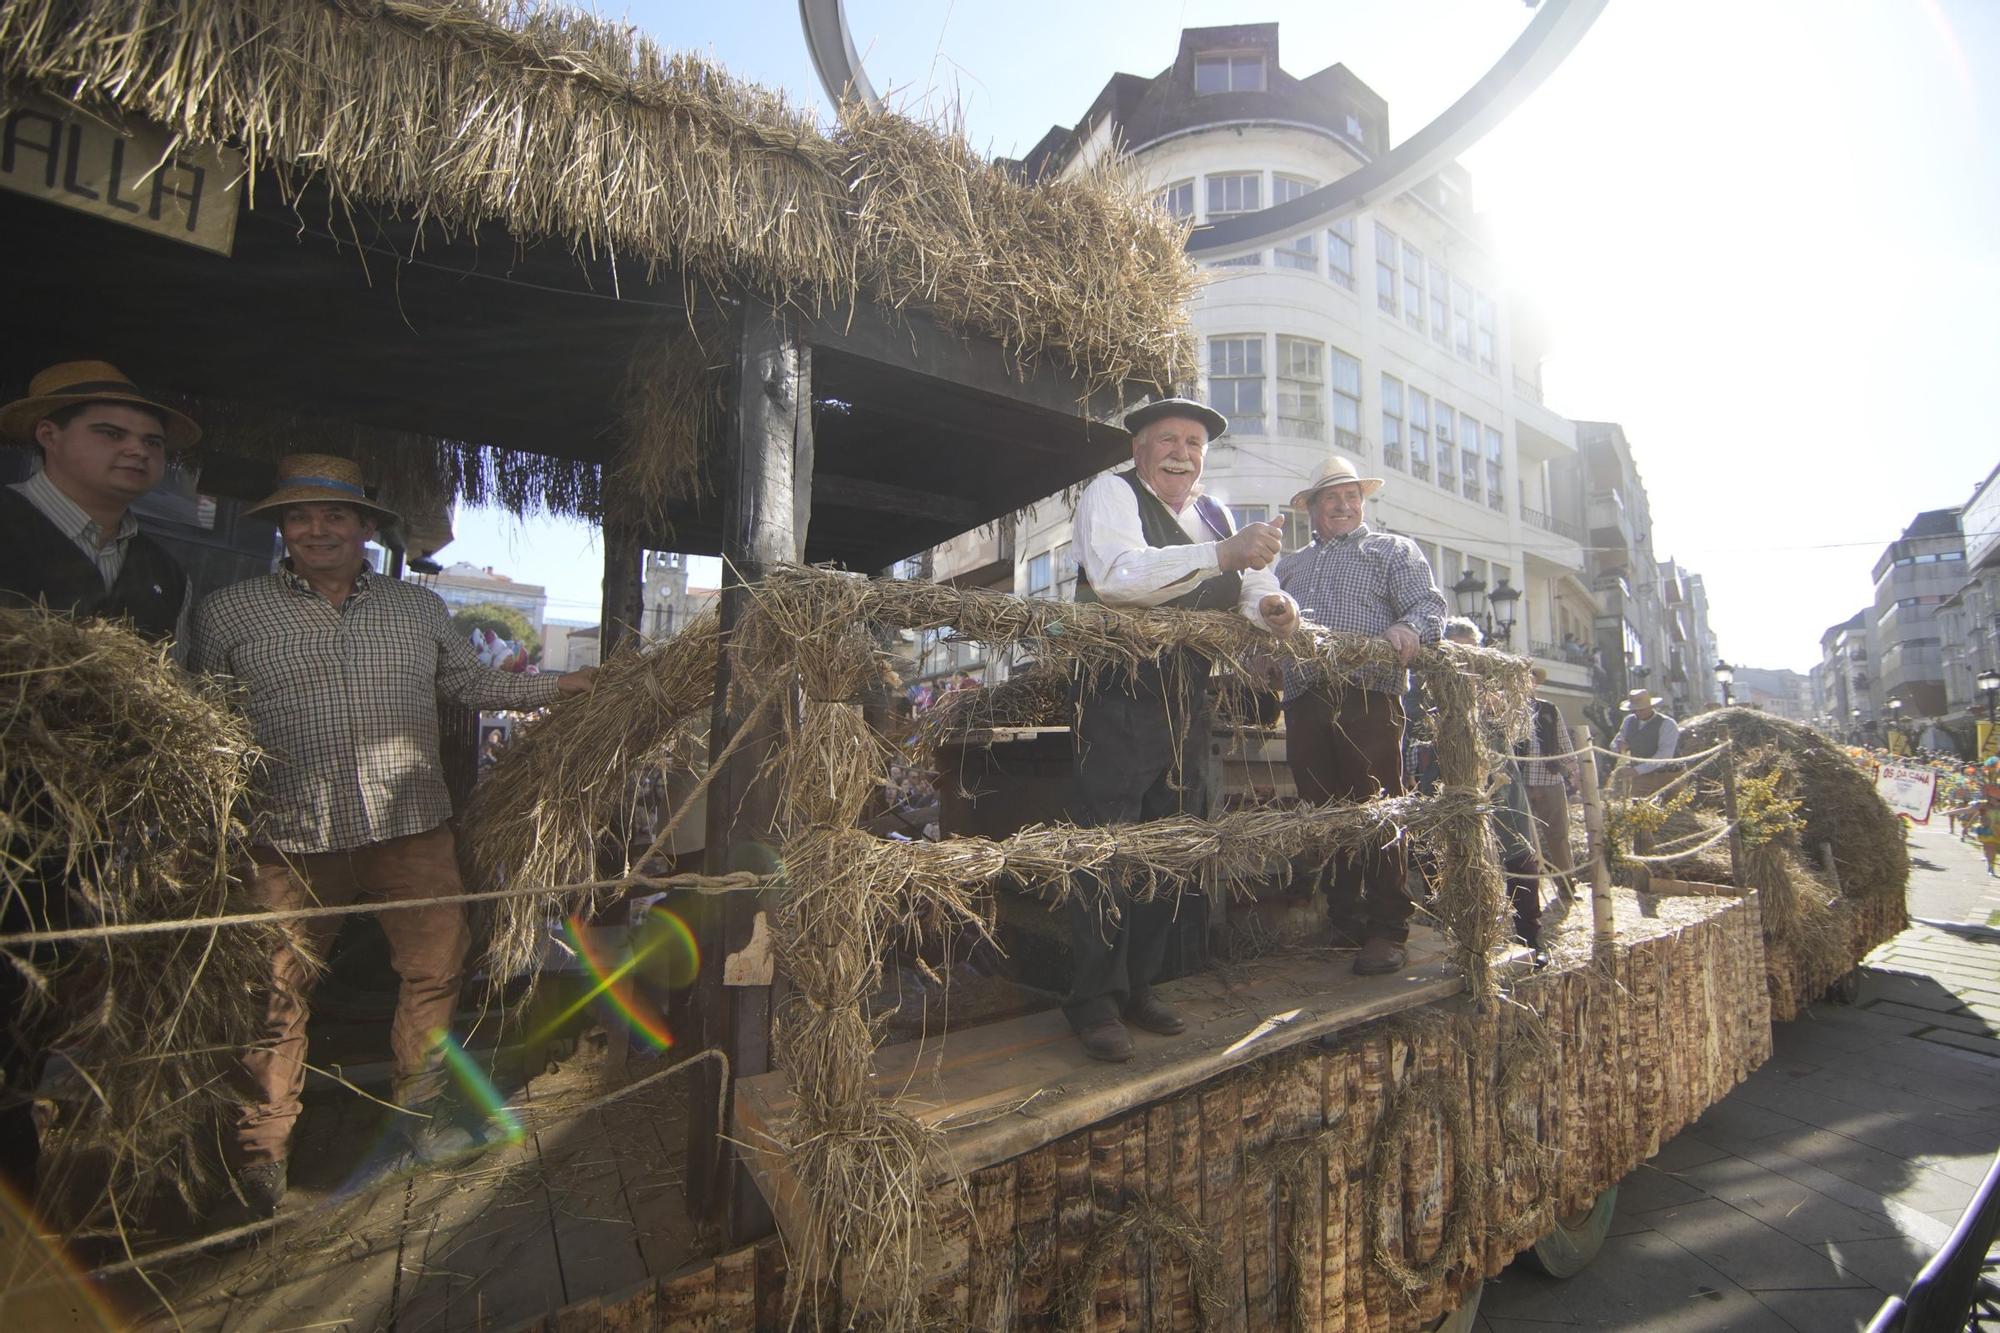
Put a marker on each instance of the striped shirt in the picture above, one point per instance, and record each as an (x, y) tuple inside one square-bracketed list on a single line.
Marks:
[(1362, 584), (345, 702), (109, 556)]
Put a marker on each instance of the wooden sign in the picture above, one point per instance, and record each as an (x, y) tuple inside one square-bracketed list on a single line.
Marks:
[(134, 173)]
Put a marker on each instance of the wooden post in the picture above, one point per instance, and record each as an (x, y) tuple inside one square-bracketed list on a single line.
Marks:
[(1736, 866), (624, 586), (767, 468), (1604, 926)]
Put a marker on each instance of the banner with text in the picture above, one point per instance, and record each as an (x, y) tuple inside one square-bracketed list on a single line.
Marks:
[(1908, 790)]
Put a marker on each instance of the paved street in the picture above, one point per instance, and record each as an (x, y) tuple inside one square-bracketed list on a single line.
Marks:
[(1835, 1171)]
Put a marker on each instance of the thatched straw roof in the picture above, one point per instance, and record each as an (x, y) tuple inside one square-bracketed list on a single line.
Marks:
[(558, 125)]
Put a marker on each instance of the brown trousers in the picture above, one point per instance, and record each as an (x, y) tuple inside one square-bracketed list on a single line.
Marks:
[(1551, 807), (427, 947), (1352, 750)]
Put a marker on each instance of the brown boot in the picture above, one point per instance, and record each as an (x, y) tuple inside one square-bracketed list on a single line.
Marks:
[(1155, 1015), (1380, 957), (1107, 1041)]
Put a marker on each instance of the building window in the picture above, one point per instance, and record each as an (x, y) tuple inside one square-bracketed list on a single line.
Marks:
[(1468, 448), (1413, 286), (1353, 128), (1385, 268), (1392, 421), (1040, 581), (1447, 449), (1228, 74), (1461, 319), (1420, 435), (1440, 306), (1298, 528), (1340, 253), (1488, 333), (1236, 382), (1347, 402), (1245, 515), (1065, 572), (1301, 382), (1496, 470), (1300, 252), (1177, 199), (1230, 195)]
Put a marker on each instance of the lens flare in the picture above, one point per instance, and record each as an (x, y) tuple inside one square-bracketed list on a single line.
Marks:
[(477, 1086), (42, 1286), (665, 934)]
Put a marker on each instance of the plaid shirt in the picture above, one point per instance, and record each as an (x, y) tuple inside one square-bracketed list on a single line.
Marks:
[(1547, 772), (109, 557), (345, 702), (1362, 584)]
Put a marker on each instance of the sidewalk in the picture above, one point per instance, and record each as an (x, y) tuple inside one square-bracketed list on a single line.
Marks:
[(1826, 1180)]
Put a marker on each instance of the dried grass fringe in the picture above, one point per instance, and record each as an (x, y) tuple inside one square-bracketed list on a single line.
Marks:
[(555, 123), (125, 789)]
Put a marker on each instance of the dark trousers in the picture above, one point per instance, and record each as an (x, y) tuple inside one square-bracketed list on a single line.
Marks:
[(29, 1026), (1351, 749), (1140, 754)]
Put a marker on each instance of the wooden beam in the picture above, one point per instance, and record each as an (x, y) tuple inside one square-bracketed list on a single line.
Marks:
[(624, 586), (767, 471), (854, 493)]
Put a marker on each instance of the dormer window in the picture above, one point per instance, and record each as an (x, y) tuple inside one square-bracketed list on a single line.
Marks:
[(1229, 74)]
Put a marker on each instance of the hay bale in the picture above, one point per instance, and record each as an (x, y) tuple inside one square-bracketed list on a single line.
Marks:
[(1840, 804), (123, 783)]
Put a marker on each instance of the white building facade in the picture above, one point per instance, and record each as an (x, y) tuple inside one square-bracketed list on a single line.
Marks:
[(1388, 339)]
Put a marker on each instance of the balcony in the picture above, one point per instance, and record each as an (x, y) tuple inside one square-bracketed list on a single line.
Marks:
[(1549, 523), (1611, 522), (1352, 443)]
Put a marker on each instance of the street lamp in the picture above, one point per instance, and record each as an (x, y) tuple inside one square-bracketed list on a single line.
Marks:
[(1494, 614), (1989, 685), (1724, 674)]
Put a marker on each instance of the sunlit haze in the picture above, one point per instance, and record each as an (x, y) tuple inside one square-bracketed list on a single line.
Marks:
[(1761, 237)]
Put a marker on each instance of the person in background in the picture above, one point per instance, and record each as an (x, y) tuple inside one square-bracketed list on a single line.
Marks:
[(343, 668), (69, 542), (1344, 739), (1149, 537), (1646, 735), (1551, 785)]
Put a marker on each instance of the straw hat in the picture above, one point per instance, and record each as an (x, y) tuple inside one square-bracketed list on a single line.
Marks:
[(1633, 698), (74, 383), (1336, 471), (319, 478), (1161, 408)]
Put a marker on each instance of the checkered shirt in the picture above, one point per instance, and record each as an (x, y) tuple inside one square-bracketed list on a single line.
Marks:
[(345, 702), (1545, 772), (1362, 584), (70, 518)]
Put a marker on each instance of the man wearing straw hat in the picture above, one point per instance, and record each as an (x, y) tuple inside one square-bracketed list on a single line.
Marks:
[(343, 669), (68, 541), (1149, 537), (1344, 740), (1646, 734)]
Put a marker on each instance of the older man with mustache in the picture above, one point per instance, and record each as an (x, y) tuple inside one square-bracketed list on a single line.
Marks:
[(1149, 537)]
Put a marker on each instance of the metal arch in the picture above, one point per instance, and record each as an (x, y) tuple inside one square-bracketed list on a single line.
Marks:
[(1546, 42), (833, 54)]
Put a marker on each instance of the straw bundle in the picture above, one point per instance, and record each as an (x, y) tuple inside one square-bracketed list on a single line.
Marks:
[(123, 785), (540, 815)]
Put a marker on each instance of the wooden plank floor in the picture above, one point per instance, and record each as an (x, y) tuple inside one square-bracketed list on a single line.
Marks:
[(584, 1205), (1006, 1088)]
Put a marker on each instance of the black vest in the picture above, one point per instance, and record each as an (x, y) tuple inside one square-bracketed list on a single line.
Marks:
[(1160, 528), (1546, 719), (40, 564), (1646, 736)]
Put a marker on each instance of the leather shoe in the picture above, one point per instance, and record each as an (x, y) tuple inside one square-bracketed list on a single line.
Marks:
[(1108, 1041), (254, 1195), (1379, 957), (449, 1131), (1155, 1015)]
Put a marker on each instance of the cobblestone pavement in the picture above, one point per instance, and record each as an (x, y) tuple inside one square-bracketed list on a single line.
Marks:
[(1824, 1182)]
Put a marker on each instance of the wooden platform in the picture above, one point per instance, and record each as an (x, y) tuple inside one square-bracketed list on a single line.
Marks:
[(1007, 1088)]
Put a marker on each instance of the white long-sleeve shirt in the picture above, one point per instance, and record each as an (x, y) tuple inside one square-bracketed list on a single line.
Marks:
[(1123, 570), (1670, 737)]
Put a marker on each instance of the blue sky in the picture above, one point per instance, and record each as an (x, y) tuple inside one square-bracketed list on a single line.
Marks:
[(1762, 237)]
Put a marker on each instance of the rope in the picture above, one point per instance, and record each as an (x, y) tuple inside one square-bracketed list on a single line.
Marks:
[(1663, 858), (736, 881), (1445, 1096)]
